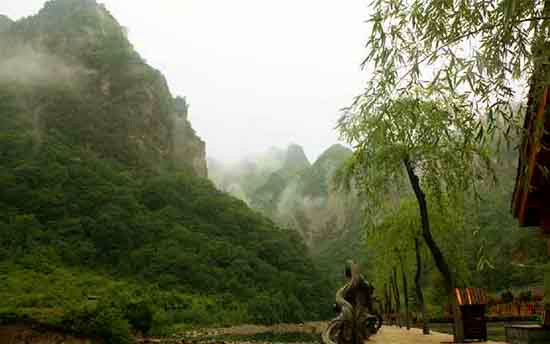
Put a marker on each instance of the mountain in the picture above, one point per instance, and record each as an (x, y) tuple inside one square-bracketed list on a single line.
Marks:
[(303, 197), (107, 224), (241, 179), (5, 23), (267, 196), (295, 159), (188, 149), (74, 58), (317, 181)]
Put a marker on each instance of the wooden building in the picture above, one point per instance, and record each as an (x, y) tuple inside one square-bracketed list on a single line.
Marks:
[(531, 199), (470, 321)]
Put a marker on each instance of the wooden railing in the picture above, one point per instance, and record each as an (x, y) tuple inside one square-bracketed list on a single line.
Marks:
[(516, 309)]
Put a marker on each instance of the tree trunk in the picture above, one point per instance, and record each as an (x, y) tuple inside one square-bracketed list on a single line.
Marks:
[(397, 297), (390, 300), (419, 295), (392, 306), (405, 294), (386, 302), (438, 257)]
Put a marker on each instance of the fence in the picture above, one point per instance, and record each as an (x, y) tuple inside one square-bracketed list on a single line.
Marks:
[(516, 309)]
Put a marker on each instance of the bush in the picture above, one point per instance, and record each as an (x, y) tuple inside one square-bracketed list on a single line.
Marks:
[(103, 321), (140, 316), (112, 327), (507, 297)]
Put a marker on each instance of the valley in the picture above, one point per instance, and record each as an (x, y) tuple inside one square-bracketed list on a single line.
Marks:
[(119, 225)]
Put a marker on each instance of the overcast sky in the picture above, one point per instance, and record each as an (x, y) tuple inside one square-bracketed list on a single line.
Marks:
[(257, 73)]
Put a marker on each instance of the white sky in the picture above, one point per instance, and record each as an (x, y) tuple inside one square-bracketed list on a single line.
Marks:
[(257, 73)]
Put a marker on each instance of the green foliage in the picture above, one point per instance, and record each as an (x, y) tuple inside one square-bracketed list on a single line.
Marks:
[(140, 316), (455, 48), (104, 321), (437, 138), (478, 235)]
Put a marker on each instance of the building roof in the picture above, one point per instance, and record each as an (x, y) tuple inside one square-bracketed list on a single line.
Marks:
[(471, 296)]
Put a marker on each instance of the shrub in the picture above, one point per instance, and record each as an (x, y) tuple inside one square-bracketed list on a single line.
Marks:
[(140, 316), (103, 321), (507, 297)]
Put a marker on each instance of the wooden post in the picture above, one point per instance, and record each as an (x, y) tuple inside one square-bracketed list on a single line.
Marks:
[(546, 320)]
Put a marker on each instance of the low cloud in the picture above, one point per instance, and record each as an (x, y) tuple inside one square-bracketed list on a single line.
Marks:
[(29, 66)]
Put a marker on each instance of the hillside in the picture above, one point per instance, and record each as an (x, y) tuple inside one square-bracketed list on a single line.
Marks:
[(5, 23), (108, 224), (303, 197), (73, 68)]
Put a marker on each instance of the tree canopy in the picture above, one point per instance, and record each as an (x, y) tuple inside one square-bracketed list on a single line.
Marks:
[(437, 138), (482, 50)]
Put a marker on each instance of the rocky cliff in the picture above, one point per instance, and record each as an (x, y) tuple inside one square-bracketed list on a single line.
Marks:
[(73, 70)]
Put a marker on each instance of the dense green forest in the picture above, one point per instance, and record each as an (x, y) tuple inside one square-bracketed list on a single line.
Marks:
[(65, 209), (107, 224)]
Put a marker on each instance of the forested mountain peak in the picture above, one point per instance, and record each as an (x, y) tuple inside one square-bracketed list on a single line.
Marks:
[(295, 159), (5, 23), (337, 153), (74, 71)]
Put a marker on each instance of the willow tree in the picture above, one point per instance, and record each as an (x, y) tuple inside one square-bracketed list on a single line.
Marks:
[(483, 49), (429, 143)]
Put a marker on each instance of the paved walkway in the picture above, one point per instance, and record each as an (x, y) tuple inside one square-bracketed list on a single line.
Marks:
[(396, 335)]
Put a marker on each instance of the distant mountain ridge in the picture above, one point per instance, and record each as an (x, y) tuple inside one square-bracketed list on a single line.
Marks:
[(304, 197), (295, 159), (5, 23)]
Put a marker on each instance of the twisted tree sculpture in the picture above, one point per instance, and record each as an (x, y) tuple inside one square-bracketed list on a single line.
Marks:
[(358, 319)]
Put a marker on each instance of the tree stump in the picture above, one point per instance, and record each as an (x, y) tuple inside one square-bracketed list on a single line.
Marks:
[(357, 320)]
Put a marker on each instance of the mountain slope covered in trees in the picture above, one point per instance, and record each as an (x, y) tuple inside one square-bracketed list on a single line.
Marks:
[(107, 224), (304, 197)]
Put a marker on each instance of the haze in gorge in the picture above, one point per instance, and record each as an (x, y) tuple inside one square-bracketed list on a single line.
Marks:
[(204, 171)]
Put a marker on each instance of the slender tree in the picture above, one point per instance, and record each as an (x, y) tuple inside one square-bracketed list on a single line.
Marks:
[(405, 291), (386, 302), (397, 296), (391, 307), (433, 142), (418, 288)]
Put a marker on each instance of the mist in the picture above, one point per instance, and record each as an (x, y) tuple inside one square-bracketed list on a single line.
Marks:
[(256, 74), (31, 67)]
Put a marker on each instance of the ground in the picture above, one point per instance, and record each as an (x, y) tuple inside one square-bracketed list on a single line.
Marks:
[(239, 334), (396, 335)]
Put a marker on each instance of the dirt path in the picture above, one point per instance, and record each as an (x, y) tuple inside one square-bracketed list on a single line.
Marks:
[(396, 335), (386, 335)]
